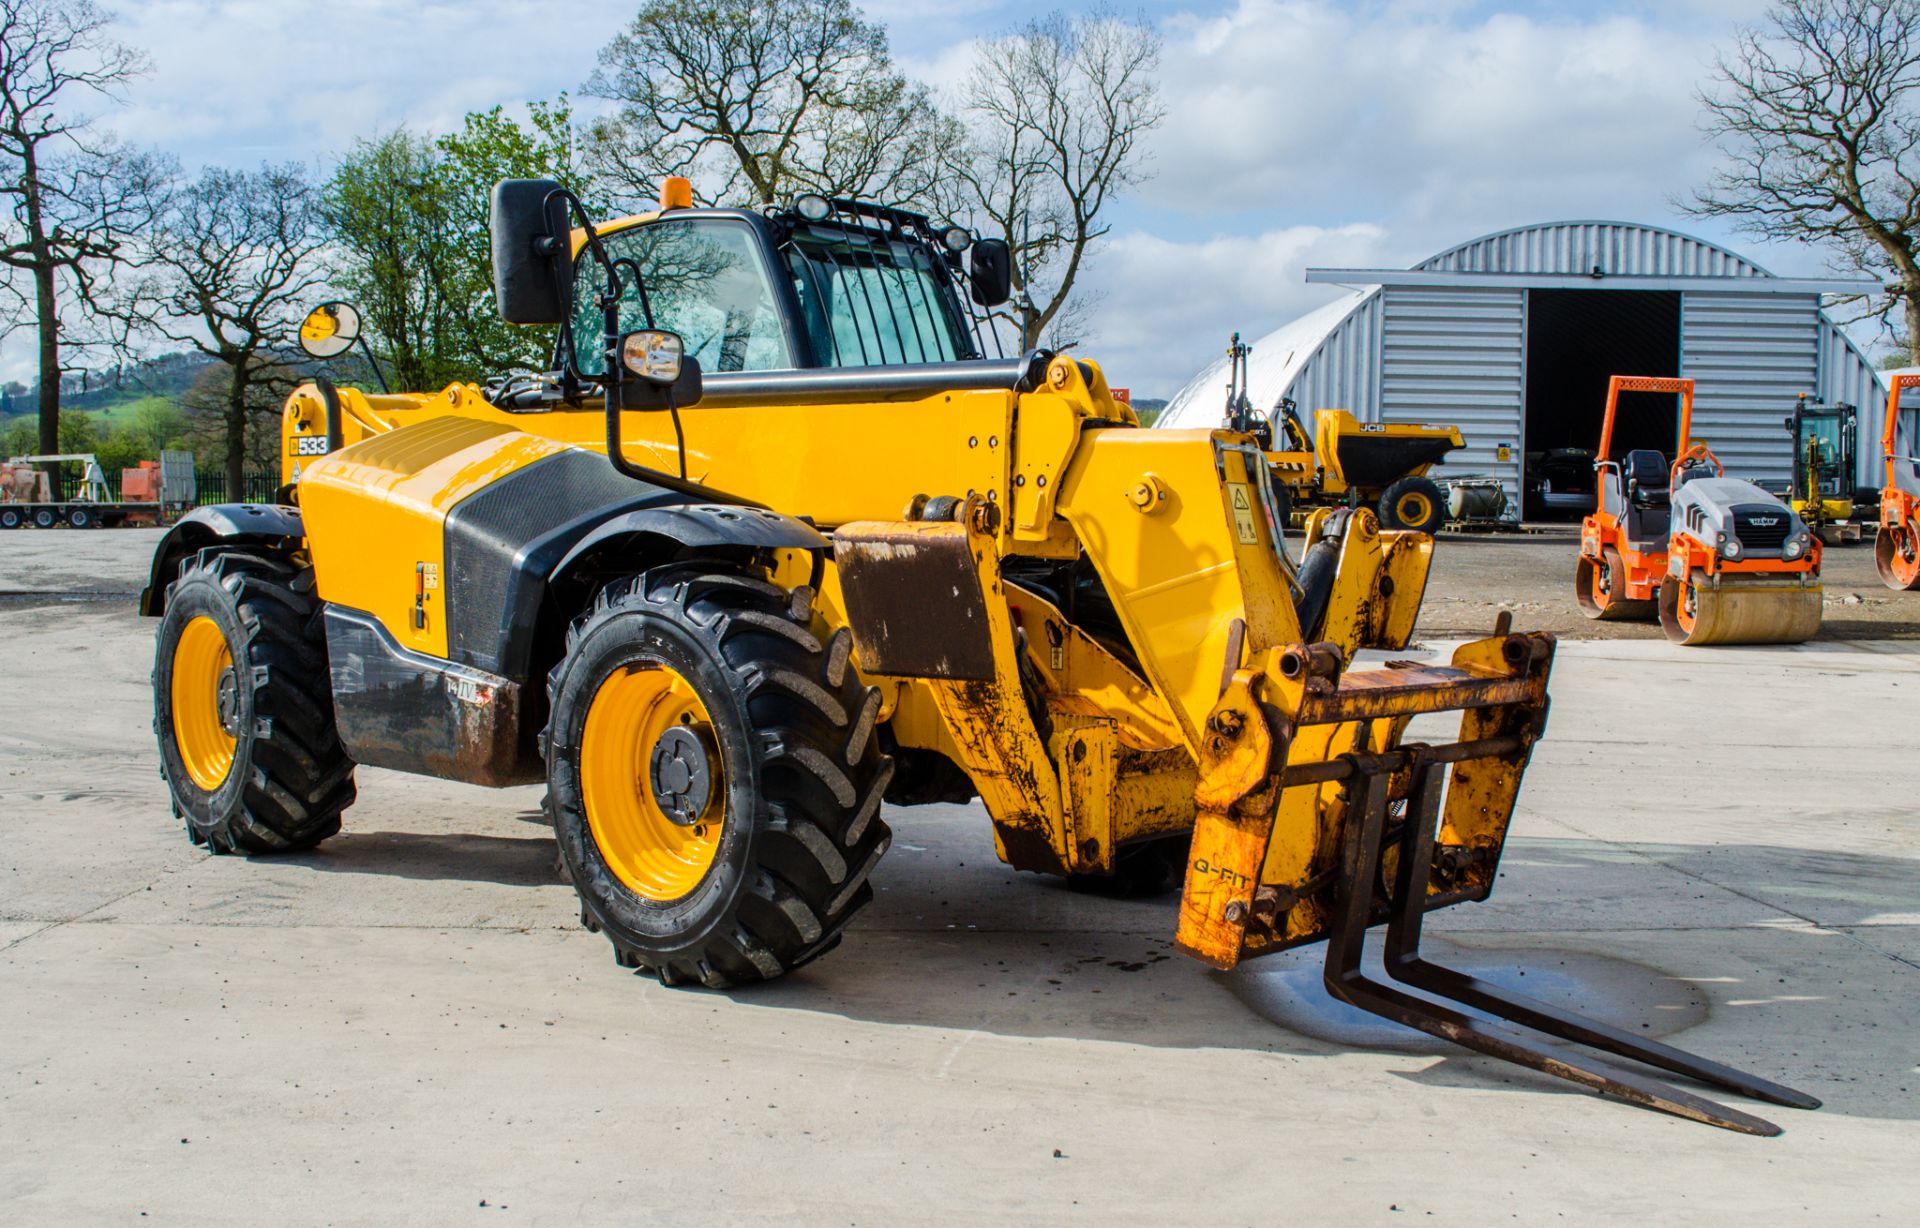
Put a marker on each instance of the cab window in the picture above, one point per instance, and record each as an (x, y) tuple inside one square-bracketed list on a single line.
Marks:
[(705, 281)]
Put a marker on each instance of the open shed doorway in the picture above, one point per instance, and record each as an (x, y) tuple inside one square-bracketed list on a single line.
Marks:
[(1575, 340)]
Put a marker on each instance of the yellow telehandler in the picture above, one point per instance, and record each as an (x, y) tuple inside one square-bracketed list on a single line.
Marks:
[(775, 540)]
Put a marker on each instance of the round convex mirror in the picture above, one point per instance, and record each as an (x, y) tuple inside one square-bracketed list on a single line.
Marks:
[(329, 330)]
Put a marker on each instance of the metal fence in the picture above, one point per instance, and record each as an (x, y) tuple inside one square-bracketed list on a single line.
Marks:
[(210, 485)]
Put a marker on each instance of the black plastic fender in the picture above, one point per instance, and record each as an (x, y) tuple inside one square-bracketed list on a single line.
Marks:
[(698, 526), (274, 525)]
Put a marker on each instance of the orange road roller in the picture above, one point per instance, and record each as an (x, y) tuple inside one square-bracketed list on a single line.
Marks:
[(1896, 548), (1719, 560)]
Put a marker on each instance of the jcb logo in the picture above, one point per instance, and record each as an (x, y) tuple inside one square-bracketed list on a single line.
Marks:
[(1225, 874)]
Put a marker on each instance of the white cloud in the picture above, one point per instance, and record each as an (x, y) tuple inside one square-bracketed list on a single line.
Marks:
[(1396, 130), (1166, 307)]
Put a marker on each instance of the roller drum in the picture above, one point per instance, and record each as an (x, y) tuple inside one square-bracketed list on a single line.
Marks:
[(1740, 610)]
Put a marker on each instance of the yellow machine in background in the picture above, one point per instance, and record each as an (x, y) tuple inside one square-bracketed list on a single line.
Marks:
[(777, 540), (1345, 462)]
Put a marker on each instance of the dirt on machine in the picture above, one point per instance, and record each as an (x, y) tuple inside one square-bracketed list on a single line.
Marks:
[(1896, 545), (1345, 462), (1718, 560), (780, 536)]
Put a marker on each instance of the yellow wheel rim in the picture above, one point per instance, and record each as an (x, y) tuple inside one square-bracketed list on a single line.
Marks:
[(631, 724), (206, 702), (1413, 508)]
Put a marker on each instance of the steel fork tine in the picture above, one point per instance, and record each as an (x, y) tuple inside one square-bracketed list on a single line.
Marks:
[(1404, 963), (1360, 856)]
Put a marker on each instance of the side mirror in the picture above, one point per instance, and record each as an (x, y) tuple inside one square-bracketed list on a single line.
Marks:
[(329, 330), (991, 272), (656, 372), (532, 263)]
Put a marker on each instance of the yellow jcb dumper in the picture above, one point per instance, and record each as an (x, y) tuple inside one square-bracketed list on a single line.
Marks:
[(776, 540)]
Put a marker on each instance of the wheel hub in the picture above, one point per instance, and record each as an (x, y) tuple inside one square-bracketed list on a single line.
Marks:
[(680, 776), (227, 702)]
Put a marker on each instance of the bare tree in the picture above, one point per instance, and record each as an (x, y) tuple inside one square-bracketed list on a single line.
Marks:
[(1815, 109), (233, 260), (1056, 112), (73, 194), (760, 100)]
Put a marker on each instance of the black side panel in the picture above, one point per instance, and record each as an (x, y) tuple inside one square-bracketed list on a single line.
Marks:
[(399, 709), (519, 528)]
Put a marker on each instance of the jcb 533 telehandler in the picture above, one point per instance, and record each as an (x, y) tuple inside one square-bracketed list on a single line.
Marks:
[(1721, 560), (776, 541)]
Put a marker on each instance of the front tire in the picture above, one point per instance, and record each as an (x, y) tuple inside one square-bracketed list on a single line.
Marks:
[(1415, 503), (243, 706), (714, 779)]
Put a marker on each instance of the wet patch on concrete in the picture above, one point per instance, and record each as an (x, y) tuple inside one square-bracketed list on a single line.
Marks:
[(1287, 990)]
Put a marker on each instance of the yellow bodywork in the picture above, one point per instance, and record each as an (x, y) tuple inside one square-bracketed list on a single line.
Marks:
[(1198, 732)]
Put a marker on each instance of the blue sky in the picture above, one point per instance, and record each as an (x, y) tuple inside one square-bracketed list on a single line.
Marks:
[(1299, 132)]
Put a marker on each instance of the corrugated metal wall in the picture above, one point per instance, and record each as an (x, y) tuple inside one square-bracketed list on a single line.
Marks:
[(1342, 372), (1750, 355), (1846, 377), (1458, 356), (1620, 249)]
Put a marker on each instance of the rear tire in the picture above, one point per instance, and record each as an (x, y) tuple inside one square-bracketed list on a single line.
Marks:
[(1414, 503), (80, 518), (45, 518), (1897, 558), (1597, 585), (11, 518), (796, 778), (287, 778)]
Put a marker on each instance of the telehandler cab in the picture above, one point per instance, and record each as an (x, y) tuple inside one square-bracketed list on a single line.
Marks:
[(1896, 547), (1721, 560), (775, 541)]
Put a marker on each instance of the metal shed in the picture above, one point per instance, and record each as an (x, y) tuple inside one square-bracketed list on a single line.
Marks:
[(1512, 335)]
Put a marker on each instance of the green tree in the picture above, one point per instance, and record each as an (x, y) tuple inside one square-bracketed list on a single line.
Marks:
[(72, 195), (1056, 112), (394, 226), (759, 100), (1817, 110), (160, 425), (230, 271), (491, 146)]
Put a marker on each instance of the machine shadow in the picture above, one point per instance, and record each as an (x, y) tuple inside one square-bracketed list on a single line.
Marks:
[(1026, 958), (510, 861)]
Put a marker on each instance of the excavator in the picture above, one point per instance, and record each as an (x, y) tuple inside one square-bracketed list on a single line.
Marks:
[(1896, 547), (780, 537), (1821, 490), (1719, 560)]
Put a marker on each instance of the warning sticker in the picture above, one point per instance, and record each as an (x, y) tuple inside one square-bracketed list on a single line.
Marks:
[(1242, 504)]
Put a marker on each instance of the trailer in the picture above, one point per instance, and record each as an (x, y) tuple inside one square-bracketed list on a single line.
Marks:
[(153, 492)]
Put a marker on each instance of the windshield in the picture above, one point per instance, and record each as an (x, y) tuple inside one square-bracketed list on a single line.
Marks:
[(866, 300), (704, 280)]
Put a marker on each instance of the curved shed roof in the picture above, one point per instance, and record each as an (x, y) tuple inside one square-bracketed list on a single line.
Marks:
[(1344, 333)]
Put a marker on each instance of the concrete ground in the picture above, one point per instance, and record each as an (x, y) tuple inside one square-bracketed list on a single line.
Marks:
[(407, 1024)]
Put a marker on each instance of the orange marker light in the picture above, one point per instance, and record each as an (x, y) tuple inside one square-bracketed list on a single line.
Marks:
[(676, 192)]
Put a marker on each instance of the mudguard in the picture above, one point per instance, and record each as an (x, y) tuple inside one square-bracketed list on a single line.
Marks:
[(268, 524), (698, 526)]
